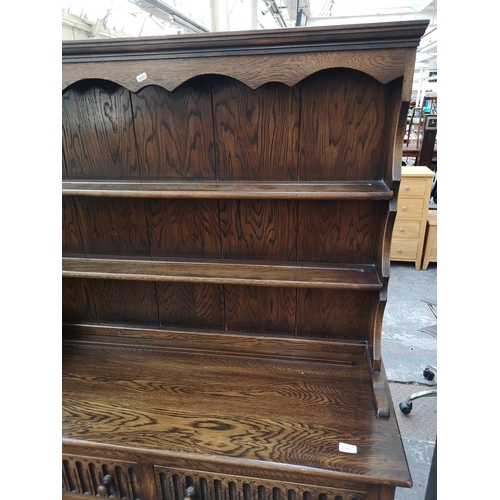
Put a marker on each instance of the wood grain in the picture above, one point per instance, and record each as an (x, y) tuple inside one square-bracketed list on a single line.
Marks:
[(266, 410), (340, 232), (191, 304), (172, 482), (254, 70), (360, 190), (184, 228), (84, 475), (234, 343), (78, 303), (113, 226), (256, 131), (224, 272), (175, 131), (126, 301), (260, 309), (71, 236), (64, 168), (98, 134), (339, 314), (259, 229), (340, 136), (234, 212)]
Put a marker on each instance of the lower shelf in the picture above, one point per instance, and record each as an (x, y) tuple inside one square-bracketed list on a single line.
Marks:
[(284, 417), (341, 276)]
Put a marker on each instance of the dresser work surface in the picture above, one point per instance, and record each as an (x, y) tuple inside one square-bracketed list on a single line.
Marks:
[(261, 410), (228, 204)]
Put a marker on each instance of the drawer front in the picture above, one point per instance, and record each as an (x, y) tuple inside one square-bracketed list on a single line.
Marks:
[(404, 250), (412, 187), (406, 229), (410, 208), (172, 484), (88, 476)]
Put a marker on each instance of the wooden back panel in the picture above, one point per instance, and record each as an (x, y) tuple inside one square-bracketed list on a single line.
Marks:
[(338, 314), (320, 106), (216, 128)]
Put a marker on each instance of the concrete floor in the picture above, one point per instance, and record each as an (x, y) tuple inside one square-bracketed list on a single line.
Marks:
[(406, 352)]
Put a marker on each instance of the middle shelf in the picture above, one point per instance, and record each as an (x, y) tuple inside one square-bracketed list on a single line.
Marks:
[(368, 190), (308, 275)]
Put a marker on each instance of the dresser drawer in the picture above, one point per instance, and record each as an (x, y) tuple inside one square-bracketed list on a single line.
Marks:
[(171, 484), (406, 229), (412, 187), (410, 208), (404, 250), (87, 476)]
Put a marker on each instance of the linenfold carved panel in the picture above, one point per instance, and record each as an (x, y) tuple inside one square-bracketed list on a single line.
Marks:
[(172, 484), (100, 477)]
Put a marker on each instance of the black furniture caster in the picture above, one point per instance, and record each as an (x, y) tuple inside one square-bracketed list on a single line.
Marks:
[(405, 407), (429, 374)]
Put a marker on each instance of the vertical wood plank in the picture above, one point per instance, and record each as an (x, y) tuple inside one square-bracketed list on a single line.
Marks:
[(256, 131), (259, 229), (113, 226), (126, 301), (71, 236), (175, 131), (78, 301), (339, 314), (191, 304), (147, 480), (340, 133), (184, 228), (98, 134), (347, 232), (260, 309), (64, 168)]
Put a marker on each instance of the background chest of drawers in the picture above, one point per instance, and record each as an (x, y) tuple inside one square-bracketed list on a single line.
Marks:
[(413, 204), (430, 247)]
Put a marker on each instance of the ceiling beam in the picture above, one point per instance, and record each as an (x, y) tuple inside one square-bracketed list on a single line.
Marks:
[(169, 14)]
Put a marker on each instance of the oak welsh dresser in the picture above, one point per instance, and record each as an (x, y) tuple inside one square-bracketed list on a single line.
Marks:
[(228, 206)]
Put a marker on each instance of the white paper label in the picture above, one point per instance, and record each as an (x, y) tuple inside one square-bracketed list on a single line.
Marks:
[(348, 448), (141, 77)]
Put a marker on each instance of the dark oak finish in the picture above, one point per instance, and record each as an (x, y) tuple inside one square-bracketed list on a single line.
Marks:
[(226, 233), (98, 134), (239, 397), (71, 236), (340, 132), (112, 226), (183, 228), (255, 130), (176, 131), (225, 272), (259, 230), (341, 190)]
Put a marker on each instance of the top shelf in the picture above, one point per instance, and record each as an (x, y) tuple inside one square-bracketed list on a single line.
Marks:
[(368, 190)]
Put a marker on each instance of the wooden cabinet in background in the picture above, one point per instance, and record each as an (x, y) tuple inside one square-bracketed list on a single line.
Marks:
[(227, 206), (413, 204), (430, 245)]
